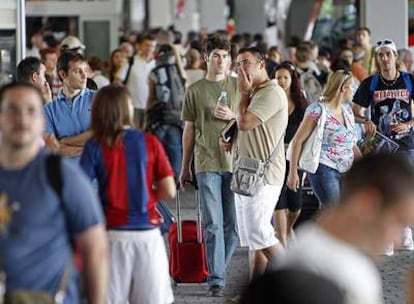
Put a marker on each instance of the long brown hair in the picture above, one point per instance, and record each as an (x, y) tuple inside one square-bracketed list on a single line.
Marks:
[(111, 113), (295, 89)]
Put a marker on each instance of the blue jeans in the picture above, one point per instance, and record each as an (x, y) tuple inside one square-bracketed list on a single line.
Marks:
[(325, 184), (409, 154), (170, 137), (219, 223)]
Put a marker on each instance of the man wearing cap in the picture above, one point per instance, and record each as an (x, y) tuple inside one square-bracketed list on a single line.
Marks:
[(72, 43), (388, 95)]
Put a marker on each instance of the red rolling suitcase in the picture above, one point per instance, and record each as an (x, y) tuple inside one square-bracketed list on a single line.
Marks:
[(188, 262)]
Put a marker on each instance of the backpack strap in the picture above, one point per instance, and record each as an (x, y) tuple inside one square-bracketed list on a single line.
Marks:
[(130, 64), (54, 177), (408, 84), (373, 84), (54, 174), (372, 87)]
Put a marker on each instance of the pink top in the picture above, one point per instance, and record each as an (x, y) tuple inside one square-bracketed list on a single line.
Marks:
[(338, 138)]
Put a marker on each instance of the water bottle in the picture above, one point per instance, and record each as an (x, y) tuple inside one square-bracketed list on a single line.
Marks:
[(222, 100)]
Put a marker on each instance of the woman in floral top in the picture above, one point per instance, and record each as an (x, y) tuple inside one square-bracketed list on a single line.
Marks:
[(339, 139)]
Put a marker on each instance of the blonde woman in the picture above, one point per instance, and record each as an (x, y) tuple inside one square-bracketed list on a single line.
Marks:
[(339, 139)]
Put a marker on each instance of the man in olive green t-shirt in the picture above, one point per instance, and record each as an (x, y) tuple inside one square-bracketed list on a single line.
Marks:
[(204, 118), (262, 120)]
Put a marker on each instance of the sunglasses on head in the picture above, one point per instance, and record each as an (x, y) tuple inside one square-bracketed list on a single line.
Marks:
[(383, 42), (347, 75)]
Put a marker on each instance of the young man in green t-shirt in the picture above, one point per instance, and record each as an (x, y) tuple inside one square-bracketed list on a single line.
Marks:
[(204, 118)]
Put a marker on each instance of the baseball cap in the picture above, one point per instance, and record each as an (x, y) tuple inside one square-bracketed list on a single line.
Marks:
[(386, 43), (72, 43)]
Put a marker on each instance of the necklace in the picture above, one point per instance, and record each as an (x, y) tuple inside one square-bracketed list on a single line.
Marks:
[(387, 83)]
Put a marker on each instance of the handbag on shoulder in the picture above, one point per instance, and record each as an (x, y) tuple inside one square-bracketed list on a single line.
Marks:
[(311, 148)]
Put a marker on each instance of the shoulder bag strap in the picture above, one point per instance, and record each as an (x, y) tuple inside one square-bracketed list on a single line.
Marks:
[(54, 176), (372, 87), (61, 293), (130, 64), (408, 83), (269, 159)]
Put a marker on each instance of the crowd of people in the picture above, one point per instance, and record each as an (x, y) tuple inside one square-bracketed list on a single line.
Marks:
[(131, 131)]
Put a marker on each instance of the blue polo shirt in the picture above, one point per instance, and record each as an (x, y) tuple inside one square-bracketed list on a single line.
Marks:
[(69, 116), (35, 248)]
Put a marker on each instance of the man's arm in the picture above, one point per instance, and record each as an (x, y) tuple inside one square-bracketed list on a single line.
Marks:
[(245, 119), (78, 140), (69, 151), (61, 148), (94, 248), (369, 127), (359, 118), (188, 149)]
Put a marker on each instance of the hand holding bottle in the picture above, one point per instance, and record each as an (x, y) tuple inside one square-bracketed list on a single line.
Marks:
[(222, 110)]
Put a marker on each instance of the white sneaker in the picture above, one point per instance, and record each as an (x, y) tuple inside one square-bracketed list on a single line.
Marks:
[(407, 240), (389, 250)]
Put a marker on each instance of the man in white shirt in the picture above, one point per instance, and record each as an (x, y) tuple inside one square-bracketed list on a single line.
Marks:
[(376, 203), (135, 75)]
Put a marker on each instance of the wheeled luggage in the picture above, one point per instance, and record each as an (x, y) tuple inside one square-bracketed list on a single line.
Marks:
[(187, 250)]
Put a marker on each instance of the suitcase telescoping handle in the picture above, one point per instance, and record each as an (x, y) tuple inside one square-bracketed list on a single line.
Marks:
[(198, 220)]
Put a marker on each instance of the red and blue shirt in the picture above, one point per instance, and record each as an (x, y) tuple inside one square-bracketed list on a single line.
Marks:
[(126, 174)]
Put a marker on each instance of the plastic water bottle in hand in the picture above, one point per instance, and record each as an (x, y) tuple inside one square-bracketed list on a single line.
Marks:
[(222, 100), (220, 110)]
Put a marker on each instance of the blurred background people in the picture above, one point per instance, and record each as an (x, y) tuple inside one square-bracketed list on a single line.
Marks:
[(49, 57), (117, 59), (193, 69), (165, 100), (96, 65)]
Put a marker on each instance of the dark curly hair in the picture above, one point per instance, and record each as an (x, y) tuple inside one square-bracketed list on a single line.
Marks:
[(214, 41), (296, 91)]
